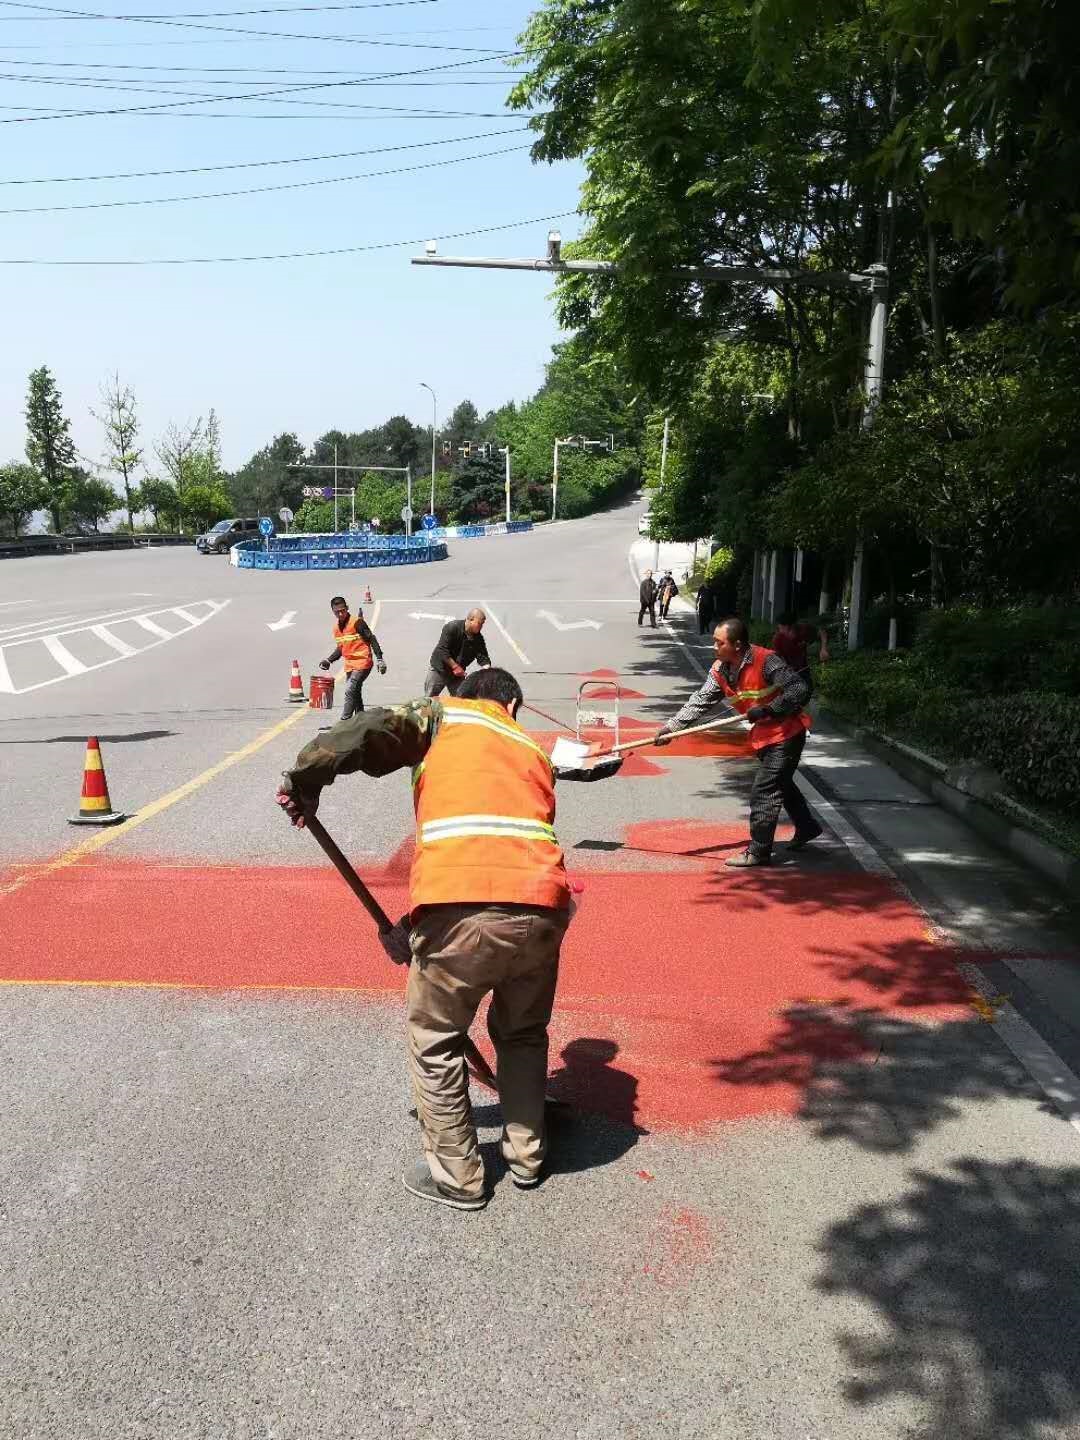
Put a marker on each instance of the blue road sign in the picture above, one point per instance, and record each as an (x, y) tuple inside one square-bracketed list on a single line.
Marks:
[(266, 526), (429, 522)]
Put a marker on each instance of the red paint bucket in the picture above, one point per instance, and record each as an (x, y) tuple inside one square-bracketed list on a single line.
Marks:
[(321, 692)]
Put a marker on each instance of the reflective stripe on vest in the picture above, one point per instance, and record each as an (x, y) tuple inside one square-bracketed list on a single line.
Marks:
[(485, 807), (355, 650), (753, 690)]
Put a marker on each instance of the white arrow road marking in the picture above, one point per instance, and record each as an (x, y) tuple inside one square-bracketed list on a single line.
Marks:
[(282, 624), (424, 615), (569, 624)]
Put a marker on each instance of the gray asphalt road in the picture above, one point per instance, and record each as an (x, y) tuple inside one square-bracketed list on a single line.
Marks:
[(201, 1221)]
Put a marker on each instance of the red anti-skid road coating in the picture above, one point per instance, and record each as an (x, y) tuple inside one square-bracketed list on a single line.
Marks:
[(685, 999), (608, 692)]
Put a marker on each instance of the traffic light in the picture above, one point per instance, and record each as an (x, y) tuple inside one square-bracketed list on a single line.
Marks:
[(466, 450), (447, 449)]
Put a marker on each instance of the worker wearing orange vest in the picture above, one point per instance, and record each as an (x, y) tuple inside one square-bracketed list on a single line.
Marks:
[(489, 906), (355, 643), (760, 685)]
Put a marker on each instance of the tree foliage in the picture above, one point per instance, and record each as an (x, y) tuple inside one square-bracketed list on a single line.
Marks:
[(123, 456), (22, 491), (49, 446)]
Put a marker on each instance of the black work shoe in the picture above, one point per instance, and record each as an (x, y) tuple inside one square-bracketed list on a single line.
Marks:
[(420, 1182), (525, 1179), (801, 839), (747, 860)]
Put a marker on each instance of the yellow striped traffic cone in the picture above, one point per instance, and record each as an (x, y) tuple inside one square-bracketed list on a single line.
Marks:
[(296, 686), (95, 807)]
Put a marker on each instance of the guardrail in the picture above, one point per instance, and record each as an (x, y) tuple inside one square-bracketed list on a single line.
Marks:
[(11, 549), (335, 552)]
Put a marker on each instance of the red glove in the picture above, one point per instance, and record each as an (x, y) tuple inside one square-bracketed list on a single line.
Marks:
[(456, 670)]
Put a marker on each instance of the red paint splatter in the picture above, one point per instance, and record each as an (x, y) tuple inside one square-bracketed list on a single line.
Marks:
[(680, 1242), (645, 1175)]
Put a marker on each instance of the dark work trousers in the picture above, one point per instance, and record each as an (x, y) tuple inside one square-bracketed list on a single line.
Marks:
[(437, 682), (774, 786), (354, 692), (651, 608)]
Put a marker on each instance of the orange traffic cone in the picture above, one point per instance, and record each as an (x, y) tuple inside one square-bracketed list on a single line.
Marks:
[(95, 807), (296, 694), (367, 596)]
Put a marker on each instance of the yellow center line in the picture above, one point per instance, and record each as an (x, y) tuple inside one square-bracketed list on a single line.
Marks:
[(507, 636), (156, 807)]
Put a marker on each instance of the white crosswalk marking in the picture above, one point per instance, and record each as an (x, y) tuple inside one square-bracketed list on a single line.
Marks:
[(153, 627), (26, 638), (63, 656), (120, 646)]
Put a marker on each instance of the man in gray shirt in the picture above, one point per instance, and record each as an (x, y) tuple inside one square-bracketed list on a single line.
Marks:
[(460, 643)]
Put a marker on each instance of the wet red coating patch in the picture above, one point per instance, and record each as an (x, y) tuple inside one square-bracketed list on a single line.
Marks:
[(683, 996), (691, 839), (608, 692)]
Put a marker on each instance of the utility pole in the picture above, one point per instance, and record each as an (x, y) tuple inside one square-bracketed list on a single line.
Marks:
[(505, 450), (335, 490), (874, 280), (425, 386), (663, 467)]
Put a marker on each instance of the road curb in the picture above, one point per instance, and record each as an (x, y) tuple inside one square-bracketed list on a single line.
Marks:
[(928, 774)]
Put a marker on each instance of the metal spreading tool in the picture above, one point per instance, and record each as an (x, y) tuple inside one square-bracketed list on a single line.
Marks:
[(576, 760)]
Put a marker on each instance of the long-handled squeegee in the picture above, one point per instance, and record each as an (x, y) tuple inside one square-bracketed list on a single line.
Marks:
[(473, 1058), (576, 760)]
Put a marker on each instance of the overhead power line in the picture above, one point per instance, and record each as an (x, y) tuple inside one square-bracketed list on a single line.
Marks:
[(261, 189), (206, 14), (299, 254), (256, 164), (215, 29)]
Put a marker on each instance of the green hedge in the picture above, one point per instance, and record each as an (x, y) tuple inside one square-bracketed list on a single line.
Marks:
[(1004, 651), (1031, 738)]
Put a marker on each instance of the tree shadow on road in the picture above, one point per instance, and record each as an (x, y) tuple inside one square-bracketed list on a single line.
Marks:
[(973, 1277), (132, 737), (877, 1080)]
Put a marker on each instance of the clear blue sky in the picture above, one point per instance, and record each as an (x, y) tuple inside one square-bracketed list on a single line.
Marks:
[(301, 344)]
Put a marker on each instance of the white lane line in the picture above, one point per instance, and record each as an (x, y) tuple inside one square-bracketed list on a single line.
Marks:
[(85, 623), (187, 616), (63, 656), (6, 685), (13, 631), (154, 628), (506, 635), (120, 646), (10, 604), (1053, 1077)]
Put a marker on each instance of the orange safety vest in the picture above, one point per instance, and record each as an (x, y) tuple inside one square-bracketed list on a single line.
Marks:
[(485, 802), (753, 690), (355, 650)]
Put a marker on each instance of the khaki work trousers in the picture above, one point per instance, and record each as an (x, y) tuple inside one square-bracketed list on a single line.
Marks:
[(460, 954)]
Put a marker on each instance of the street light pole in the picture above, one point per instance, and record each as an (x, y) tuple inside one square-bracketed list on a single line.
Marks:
[(335, 490), (663, 467), (505, 450), (425, 386), (873, 383)]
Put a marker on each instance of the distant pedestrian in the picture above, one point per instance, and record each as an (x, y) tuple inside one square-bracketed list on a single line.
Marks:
[(758, 684), (460, 643), (792, 640), (704, 606), (667, 592), (647, 599), (355, 643)]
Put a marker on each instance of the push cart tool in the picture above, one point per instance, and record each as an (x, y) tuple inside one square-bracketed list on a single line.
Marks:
[(473, 1058)]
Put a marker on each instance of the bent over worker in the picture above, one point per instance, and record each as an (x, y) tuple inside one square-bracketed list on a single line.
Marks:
[(355, 643), (489, 906), (460, 642), (758, 684)]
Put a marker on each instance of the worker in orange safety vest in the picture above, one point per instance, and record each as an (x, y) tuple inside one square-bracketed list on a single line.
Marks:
[(489, 905), (355, 643), (759, 684)]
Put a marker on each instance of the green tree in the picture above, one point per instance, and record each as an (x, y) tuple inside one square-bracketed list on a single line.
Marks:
[(160, 498), (49, 446), (90, 500), (204, 504), (182, 453), (120, 421), (22, 491), (268, 480)]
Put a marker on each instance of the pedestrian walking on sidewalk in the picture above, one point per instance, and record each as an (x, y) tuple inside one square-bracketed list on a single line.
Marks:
[(666, 593), (757, 683), (647, 598), (460, 643), (704, 606), (355, 643), (489, 906)]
